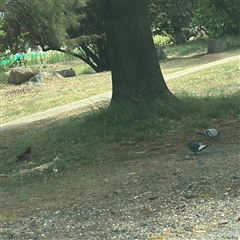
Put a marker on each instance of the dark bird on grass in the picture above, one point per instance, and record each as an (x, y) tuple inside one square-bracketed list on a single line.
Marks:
[(196, 147), (24, 155), (212, 133)]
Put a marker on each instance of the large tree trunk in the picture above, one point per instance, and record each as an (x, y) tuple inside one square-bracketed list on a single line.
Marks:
[(136, 74)]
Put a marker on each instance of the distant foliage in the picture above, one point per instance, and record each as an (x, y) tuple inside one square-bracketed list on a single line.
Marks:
[(217, 19), (172, 17), (162, 40), (233, 41)]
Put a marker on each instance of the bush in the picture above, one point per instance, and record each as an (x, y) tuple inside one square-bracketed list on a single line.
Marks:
[(233, 41), (161, 40)]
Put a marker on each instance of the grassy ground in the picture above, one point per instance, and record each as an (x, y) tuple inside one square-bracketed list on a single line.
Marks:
[(96, 144), (87, 149), (23, 100)]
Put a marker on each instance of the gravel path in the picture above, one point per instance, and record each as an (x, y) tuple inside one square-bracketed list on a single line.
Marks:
[(134, 219)]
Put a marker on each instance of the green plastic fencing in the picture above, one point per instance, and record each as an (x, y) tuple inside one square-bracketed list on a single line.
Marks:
[(32, 55)]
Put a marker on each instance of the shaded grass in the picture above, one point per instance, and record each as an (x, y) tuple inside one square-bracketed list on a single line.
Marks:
[(190, 48), (92, 146), (85, 139)]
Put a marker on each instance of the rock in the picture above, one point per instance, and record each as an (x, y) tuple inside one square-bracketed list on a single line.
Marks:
[(37, 78), (223, 222), (67, 73), (188, 228), (20, 75), (153, 198), (154, 174)]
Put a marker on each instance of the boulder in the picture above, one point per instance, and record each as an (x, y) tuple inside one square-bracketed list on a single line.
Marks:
[(20, 75), (37, 78), (67, 73)]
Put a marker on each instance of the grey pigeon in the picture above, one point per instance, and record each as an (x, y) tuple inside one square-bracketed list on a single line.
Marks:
[(196, 147), (212, 133)]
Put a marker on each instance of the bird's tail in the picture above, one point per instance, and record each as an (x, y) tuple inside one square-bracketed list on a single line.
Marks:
[(12, 161)]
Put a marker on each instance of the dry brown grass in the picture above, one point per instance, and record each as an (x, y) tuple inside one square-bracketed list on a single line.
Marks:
[(23, 100)]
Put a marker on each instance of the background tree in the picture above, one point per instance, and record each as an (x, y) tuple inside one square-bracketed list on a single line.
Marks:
[(219, 18), (172, 17), (231, 8), (91, 25), (136, 75), (28, 23)]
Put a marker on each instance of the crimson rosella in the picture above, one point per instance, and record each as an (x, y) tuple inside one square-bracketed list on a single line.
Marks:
[(196, 147), (24, 155), (212, 133)]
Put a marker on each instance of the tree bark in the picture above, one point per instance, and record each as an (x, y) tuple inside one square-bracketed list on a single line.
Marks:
[(216, 45), (136, 74), (161, 55)]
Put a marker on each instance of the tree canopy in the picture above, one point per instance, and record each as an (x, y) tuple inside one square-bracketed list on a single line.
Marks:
[(76, 27), (219, 17), (172, 17), (70, 27)]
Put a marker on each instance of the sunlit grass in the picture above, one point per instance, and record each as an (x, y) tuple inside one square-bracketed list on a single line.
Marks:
[(23, 100), (26, 99), (220, 80)]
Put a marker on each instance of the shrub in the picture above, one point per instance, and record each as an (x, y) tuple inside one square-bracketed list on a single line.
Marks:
[(161, 40)]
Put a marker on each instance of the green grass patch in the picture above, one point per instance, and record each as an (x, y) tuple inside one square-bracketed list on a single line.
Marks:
[(221, 80), (56, 57), (84, 69), (49, 57), (161, 40), (190, 48)]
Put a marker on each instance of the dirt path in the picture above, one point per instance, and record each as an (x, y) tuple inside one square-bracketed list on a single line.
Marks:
[(98, 98)]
